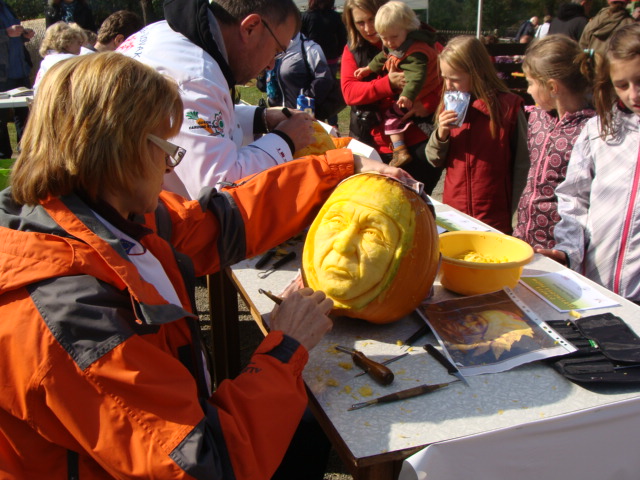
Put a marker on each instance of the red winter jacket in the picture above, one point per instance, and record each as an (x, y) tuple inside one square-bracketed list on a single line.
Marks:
[(479, 178)]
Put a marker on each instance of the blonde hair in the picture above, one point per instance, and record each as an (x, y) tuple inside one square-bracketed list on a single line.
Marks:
[(560, 58), (623, 45), (59, 36), (355, 39), (396, 15), (87, 129), (467, 54)]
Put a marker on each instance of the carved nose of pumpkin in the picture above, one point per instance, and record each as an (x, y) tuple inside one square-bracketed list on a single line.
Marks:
[(345, 241)]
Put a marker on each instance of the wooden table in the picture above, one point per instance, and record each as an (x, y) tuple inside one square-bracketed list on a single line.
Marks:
[(374, 441)]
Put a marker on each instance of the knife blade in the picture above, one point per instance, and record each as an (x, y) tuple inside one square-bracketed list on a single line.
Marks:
[(444, 361), (402, 395), (379, 372)]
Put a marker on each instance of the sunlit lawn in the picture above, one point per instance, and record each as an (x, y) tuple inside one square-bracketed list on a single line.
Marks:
[(252, 95)]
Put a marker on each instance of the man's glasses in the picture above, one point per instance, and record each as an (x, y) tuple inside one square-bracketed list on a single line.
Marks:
[(174, 153), (277, 56)]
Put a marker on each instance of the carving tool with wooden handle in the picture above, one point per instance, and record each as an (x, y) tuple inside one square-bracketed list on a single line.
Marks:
[(402, 395), (387, 362), (379, 372), (444, 361)]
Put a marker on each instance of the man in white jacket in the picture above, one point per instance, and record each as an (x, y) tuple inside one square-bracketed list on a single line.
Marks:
[(208, 49)]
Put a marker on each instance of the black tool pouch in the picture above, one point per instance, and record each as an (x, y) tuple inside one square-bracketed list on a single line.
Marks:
[(608, 350)]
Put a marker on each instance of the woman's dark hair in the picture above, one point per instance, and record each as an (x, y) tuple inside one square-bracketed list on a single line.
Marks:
[(321, 4)]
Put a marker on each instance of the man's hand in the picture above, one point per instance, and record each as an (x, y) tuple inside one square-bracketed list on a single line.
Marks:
[(15, 30), (303, 315), (557, 255), (298, 126)]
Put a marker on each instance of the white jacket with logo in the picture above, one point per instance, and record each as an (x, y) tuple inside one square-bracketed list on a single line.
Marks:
[(218, 138), (599, 203)]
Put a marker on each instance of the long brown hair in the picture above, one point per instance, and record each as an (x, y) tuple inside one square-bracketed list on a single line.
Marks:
[(560, 58), (371, 6), (623, 45), (467, 54)]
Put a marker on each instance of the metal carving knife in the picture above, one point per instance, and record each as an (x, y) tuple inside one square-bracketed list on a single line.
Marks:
[(402, 395), (444, 361)]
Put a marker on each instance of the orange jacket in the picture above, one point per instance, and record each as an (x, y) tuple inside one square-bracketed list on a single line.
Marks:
[(101, 375)]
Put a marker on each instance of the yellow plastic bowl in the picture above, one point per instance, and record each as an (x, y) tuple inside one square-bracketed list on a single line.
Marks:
[(473, 278)]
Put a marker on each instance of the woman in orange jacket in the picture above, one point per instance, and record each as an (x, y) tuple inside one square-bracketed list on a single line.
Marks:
[(102, 366)]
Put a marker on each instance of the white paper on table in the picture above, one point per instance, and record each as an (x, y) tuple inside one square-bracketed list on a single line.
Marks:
[(454, 221), (565, 291)]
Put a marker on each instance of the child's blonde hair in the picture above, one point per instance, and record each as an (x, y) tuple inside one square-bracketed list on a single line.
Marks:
[(560, 58), (623, 45), (59, 36), (396, 15), (467, 54)]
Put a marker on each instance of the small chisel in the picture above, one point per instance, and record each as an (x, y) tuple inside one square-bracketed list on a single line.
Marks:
[(444, 361), (380, 373), (402, 395)]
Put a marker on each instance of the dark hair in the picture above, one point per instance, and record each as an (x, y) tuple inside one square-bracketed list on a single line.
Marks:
[(321, 4), (623, 45), (122, 22), (232, 12)]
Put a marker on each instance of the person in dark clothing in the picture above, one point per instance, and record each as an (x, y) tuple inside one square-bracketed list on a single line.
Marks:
[(70, 11), (570, 20), (322, 24), (527, 30), (15, 67)]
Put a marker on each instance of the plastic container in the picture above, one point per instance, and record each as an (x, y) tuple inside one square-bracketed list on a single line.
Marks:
[(306, 104), (474, 278), (5, 171)]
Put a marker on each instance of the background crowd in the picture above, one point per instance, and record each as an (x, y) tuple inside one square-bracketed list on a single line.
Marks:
[(139, 170)]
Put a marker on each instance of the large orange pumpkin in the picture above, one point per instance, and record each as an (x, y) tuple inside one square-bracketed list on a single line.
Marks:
[(322, 142), (373, 249)]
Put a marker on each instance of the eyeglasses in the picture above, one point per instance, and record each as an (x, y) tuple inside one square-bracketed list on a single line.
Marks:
[(277, 56), (174, 153)]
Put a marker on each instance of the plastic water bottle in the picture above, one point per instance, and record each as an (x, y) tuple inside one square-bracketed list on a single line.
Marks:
[(306, 104)]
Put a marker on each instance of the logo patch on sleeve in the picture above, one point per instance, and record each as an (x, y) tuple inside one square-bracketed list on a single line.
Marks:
[(214, 127)]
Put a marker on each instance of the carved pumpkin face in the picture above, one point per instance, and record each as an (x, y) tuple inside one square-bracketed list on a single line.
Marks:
[(364, 236)]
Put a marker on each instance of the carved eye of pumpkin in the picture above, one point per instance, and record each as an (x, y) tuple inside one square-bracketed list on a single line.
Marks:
[(373, 249)]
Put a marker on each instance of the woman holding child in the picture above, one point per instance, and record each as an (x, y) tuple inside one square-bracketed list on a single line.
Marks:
[(375, 94)]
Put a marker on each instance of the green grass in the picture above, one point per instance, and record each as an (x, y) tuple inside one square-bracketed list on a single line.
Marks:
[(250, 94)]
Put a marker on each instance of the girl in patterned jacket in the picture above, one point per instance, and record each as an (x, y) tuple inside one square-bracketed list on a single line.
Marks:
[(599, 201), (560, 77)]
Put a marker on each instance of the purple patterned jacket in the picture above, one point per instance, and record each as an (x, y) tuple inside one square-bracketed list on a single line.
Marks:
[(550, 142)]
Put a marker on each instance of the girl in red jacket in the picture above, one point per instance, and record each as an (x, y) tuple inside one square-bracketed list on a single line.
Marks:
[(480, 154)]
